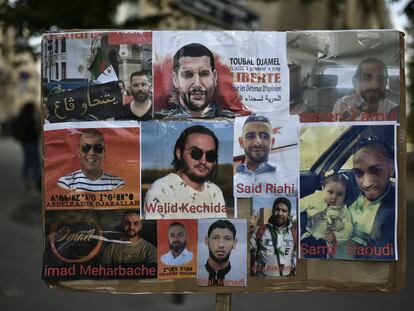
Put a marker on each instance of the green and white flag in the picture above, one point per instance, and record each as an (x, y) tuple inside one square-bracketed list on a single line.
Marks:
[(101, 68)]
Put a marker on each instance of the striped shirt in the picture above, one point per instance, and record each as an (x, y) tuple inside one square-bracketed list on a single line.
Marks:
[(79, 182)]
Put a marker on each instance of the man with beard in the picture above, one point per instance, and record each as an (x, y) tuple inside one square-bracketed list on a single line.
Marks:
[(189, 192), (368, 99), (90, 177), (140, 107), (273, 245), (256, 172), (177, 240), (220, 240), (195, 79), (373, 212), (132, 249)]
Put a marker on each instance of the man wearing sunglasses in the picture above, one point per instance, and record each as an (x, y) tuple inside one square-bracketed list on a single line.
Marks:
[(256, 175), (90, 177), (189, 192)]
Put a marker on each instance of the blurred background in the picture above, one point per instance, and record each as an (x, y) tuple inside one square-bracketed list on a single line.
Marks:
[(21, 24)]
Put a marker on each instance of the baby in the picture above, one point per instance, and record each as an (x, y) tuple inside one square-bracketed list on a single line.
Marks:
[(327, 215)]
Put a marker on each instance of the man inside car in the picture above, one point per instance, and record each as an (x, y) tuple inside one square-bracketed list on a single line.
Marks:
[(368, 101), (373, 212)]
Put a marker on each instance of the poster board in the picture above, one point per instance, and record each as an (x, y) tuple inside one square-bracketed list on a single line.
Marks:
[(316, 68)]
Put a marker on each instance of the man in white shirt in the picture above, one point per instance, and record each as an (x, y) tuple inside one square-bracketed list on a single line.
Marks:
[(368, 101), (189, 192), (177, 240), (91, 177)]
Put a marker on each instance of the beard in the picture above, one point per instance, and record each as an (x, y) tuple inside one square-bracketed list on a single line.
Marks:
[(140, 96), (177, 247), (373, 95), (186, 98), (131, 233), (257, 159), (197, 178), (278, 221), (219, 260)]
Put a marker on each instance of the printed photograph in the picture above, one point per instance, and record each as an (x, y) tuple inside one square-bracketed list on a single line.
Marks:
[(90, 244), (90, 76), (206, 74), (177, 248), (348, 200), (222, 252), (186, 169), (266, 155), (92, 165), (344, 76), (273, 236)]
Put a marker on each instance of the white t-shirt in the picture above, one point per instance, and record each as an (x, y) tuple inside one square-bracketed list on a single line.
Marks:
[(171, 198), (183, 258)]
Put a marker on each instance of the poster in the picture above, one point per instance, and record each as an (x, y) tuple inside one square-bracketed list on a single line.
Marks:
[(348, 205), (265, 155), (222, 252), (92, 244), (209, 74), (92, 165), (89, 76), (177, 248), (187, 173), (273, 236), (344, 76)]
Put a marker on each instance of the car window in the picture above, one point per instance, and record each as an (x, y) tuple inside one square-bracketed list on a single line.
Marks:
[(325, 136), (345, 75)]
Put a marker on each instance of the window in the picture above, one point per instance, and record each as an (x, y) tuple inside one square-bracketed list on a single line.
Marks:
[(57, 71), (63, 45), (63, 69), (56, 46)]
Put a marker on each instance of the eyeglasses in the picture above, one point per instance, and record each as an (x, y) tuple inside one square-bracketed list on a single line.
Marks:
[(98, 148), (197, 154)]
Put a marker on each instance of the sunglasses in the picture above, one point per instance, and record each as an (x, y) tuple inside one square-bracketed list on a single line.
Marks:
[(98, 148), (197, 154)]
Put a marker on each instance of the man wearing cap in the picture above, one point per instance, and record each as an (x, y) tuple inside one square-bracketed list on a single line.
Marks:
[(273, 245)]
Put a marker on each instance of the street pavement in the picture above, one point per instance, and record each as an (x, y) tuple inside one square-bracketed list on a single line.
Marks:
[(21, 251)]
